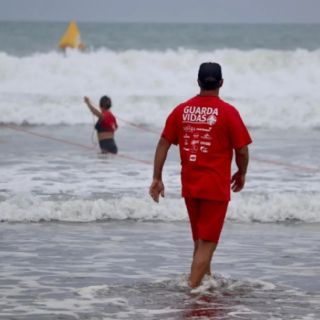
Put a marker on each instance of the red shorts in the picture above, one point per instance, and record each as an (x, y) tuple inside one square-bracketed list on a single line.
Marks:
[(206, 218)]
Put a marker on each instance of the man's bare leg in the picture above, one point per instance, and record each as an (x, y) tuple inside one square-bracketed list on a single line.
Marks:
[(196, 244), (203, 251)]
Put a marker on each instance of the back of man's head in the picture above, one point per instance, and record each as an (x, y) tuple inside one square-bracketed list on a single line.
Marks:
[(210, 76)]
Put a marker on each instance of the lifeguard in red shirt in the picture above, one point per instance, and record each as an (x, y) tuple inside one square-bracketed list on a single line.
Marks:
[(106, 124), (208, 130)]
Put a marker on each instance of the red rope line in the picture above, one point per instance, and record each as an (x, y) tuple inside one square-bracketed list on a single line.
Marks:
[(16, 128), (138, 126), (40, 135), (288, 165), (274, 162)]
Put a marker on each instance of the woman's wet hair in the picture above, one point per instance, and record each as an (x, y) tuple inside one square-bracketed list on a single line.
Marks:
[(105, 102)]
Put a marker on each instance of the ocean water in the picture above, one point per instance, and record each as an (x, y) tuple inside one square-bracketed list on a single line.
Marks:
[(80, 238)]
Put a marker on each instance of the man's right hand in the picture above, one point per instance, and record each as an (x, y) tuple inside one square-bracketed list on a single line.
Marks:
[(156, 189)]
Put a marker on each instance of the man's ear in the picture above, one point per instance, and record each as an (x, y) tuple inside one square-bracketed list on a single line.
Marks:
[(221, 83)]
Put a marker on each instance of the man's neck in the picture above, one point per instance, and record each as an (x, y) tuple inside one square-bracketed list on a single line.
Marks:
[(209, 92)]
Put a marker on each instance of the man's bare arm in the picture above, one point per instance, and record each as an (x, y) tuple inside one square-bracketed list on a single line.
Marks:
[(157, 187), (242, 160)]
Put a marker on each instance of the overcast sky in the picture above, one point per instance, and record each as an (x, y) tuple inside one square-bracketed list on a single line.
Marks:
[(216, 11)]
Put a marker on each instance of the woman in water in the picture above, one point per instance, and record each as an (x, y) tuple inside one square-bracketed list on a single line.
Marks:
[(106, 124)]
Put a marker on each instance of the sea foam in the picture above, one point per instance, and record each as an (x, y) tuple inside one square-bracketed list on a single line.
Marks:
[(248, 207), (271, 88)]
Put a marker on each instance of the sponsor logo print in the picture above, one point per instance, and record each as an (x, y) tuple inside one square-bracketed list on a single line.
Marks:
[(204, 149), (205, 143), (203, 129), (189, 129), (206, 137)]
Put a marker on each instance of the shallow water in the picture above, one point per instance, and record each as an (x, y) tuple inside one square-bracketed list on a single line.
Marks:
[(132, 260), (81, 239), (59, 175), (135, 270)]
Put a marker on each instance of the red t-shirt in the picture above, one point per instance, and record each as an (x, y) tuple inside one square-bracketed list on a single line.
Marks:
[(207, 130), (108, 121)]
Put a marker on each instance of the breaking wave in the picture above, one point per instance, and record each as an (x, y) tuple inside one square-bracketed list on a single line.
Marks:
[(271, 88)]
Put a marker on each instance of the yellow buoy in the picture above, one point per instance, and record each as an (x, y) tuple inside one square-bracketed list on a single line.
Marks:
[(71, 38)]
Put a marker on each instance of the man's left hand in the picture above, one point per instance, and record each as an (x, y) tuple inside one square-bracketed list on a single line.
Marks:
[(237, 181)]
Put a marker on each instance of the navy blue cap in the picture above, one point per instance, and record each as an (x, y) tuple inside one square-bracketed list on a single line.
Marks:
[(209, 73)]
